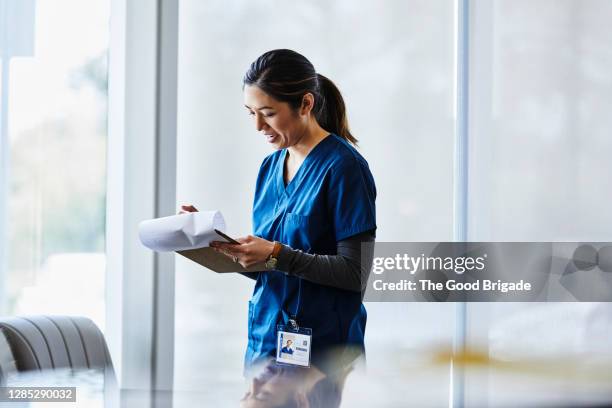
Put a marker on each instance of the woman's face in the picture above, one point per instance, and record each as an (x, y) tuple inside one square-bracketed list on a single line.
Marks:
[(274, 387), (282, 126)]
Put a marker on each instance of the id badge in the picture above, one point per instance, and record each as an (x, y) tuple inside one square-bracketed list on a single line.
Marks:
[(293, 345)]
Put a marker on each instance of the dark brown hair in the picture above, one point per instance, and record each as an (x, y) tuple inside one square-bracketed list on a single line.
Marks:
[(287, 76)]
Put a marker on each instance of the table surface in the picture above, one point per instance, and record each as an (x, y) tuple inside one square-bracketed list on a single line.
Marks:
[(422, 381)]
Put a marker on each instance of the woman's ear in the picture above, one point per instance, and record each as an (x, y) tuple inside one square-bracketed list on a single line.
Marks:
[(307, 104)]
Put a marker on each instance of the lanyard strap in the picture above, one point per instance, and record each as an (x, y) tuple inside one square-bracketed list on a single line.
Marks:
[(293, 318)]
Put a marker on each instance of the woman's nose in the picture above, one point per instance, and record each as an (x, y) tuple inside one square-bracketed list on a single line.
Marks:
[(259, 123)]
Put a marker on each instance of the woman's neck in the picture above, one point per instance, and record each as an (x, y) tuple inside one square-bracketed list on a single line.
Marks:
[(312, 136)]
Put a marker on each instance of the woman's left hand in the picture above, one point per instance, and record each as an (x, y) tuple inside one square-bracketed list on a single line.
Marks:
[(252, 250)]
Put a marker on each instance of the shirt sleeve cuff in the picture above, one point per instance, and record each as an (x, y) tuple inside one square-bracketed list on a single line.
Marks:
[(283, 260)]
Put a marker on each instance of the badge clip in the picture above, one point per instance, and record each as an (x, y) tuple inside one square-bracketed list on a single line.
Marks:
[(294, 325)]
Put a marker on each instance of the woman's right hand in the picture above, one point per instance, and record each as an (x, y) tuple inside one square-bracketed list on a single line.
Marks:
[(187, 209)]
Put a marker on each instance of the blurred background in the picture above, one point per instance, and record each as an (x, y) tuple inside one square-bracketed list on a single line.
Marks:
[(54, 121), (539, 163)]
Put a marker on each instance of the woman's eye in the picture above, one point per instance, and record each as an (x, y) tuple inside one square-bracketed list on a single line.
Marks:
[(268, 115)]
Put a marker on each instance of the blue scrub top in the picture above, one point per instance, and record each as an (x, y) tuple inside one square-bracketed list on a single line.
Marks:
[(330, 198)]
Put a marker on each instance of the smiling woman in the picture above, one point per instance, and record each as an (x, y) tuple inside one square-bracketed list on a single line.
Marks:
[(314, 200), (393, 65), (314, 205)]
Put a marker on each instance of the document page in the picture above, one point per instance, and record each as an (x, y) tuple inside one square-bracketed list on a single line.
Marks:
[(181, 232)]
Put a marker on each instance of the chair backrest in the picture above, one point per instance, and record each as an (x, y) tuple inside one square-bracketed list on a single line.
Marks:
[(7, 360), (50, 342)]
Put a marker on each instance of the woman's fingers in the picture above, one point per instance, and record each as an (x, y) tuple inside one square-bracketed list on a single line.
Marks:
[(224, 246), (251, 251), (237, 253), (224, 251), (187, 209)]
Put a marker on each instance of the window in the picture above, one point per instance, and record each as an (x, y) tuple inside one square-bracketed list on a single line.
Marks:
[(394, 66), (55, 175), (540, 161)]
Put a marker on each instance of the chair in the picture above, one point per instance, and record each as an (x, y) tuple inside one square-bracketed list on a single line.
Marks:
[(7, 360), (53, 342)]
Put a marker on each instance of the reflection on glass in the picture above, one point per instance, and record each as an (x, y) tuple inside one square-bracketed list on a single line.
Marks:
[(393, 65), (279, 386)]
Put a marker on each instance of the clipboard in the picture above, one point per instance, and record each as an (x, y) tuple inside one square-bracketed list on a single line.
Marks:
[(217, 261)]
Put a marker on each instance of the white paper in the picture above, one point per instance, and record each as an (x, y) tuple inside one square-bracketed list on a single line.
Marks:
[(181, 232)]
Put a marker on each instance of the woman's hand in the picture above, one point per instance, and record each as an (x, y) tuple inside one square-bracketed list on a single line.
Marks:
[(187, 209), (252, 250)]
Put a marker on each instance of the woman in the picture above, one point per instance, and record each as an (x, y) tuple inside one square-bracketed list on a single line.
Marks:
[(314, 205)]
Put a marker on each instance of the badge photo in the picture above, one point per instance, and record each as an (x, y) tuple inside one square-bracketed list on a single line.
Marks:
[(293, 346)]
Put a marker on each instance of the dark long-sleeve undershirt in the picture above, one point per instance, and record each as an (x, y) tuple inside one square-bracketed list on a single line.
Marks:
[(345, 270)]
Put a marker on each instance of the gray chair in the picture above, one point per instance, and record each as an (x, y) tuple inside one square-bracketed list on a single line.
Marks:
[(7, 360), (53, 342)]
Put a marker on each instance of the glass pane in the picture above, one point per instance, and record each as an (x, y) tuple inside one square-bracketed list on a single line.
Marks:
[(541, 157), (394, 66), (57, 94)]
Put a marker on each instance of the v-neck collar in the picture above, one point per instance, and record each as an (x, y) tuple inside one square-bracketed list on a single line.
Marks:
[(299, 174)]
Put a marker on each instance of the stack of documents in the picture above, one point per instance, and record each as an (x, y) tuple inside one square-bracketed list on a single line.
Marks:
[(190, 235)]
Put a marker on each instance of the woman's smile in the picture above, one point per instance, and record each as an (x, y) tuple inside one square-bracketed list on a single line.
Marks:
[(271, 137)]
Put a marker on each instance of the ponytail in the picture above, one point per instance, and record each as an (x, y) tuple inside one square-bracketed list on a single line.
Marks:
[(331, 111)]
